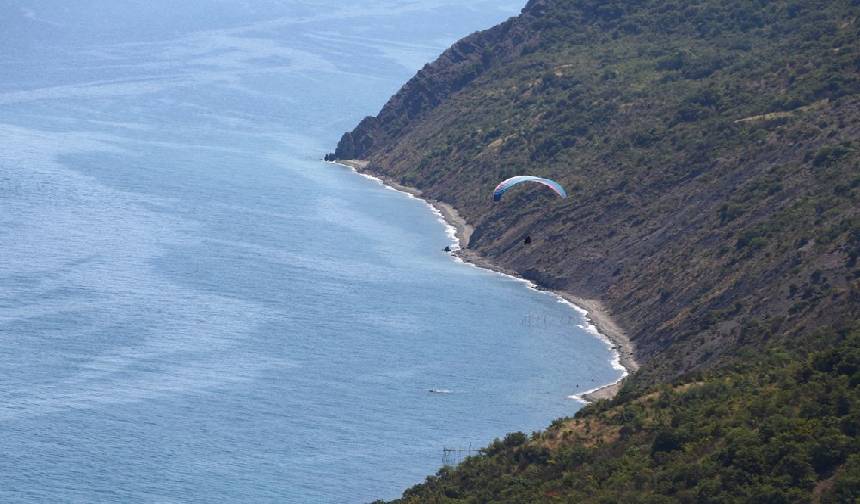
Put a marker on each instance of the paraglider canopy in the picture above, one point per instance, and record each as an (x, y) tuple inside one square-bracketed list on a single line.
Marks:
[(507, 184)]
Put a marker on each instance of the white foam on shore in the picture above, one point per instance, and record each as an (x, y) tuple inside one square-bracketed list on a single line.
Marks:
[(451, 231), (581, 396)]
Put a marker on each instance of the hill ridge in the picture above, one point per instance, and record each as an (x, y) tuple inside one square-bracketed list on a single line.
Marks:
[(711, 154)]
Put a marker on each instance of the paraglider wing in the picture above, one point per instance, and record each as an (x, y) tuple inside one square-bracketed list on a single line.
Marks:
[(507, 184)]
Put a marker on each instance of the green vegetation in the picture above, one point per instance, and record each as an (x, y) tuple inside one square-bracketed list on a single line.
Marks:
[(710, 150), (776, 429)]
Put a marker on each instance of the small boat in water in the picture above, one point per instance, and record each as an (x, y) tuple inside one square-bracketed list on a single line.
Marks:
[(439, 391)]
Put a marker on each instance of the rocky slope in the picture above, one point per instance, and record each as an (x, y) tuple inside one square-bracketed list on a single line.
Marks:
[(710, 150), (711, 153)]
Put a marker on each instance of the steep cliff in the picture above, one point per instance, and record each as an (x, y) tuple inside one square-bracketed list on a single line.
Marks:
[(710, 151)]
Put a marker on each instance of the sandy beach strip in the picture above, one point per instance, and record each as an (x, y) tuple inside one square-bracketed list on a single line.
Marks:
[(595, 312)]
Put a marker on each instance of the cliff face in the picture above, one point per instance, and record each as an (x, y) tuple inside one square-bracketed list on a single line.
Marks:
[(454, 70), (710, 152)]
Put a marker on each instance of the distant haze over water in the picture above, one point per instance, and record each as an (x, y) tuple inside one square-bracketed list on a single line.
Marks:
[(194, 308)]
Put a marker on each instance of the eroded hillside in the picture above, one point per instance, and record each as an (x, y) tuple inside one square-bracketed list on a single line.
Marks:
[(710, 150), (712, 153)]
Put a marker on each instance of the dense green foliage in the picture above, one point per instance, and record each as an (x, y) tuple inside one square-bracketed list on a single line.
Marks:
[(777, 429), (711, 150)]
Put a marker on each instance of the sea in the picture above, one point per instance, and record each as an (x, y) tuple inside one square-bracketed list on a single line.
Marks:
[(195, 308)]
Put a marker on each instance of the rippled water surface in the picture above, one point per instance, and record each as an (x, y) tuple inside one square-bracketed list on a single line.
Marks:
[(193, 308)]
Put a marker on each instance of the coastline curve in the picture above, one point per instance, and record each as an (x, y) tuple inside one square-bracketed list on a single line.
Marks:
[(597, 318)]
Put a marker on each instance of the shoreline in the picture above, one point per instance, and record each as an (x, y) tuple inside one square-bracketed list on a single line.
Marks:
[(597, 316)]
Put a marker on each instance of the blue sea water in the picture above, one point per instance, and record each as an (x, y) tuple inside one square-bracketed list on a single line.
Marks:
[(194, 308)]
